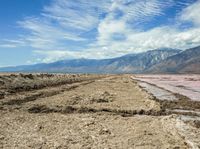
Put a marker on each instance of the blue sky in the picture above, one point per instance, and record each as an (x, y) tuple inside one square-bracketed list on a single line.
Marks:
[(36, 31)]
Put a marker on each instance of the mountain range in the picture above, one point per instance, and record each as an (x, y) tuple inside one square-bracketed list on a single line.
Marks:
[(164, 60), (187, 61)]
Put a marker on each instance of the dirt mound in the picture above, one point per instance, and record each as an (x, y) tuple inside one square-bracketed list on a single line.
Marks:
[(103, 97)]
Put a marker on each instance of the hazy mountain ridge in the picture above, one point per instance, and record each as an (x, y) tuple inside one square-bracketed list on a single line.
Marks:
[(187, 61), (131, 63)]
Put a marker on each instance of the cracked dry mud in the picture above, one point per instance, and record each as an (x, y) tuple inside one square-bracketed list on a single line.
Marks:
[(87, 111)]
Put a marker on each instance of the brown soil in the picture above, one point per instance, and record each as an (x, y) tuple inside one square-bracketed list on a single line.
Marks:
[(89, 111)]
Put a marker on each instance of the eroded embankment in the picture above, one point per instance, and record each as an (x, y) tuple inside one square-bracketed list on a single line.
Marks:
[(77, 109)]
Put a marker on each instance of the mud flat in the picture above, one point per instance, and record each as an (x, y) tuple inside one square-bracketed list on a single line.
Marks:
[(88, 111)]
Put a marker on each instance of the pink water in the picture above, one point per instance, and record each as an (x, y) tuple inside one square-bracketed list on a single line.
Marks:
[(187, 85)]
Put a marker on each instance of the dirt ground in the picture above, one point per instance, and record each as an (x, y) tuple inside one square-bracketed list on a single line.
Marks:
[(87, 111)]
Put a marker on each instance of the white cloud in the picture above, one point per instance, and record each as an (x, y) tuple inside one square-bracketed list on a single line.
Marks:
[(44, 35), (51, 56), (61, 22), (134, 11), (192, 13), (142, 10), (7, 43), (8, 46), (138, 40), (118, 24), (80, 14), (55, 55)]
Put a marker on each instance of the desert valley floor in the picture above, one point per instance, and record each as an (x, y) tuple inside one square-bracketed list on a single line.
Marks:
[(45, 111)]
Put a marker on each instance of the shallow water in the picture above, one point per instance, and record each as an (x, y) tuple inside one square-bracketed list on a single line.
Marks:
[(187, 85)]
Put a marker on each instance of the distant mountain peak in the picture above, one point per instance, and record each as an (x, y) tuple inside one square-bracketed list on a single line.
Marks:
[(187, 61)]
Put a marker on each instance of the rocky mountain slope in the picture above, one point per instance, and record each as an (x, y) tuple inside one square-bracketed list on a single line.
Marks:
[(187, 61)]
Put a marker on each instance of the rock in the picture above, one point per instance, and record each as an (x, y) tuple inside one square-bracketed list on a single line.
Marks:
[(104, 131), (2, 95)]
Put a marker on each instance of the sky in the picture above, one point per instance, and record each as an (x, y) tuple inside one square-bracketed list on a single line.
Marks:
[(44, 31)]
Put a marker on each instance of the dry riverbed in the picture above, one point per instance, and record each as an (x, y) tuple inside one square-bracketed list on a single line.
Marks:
[(88, 111)]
